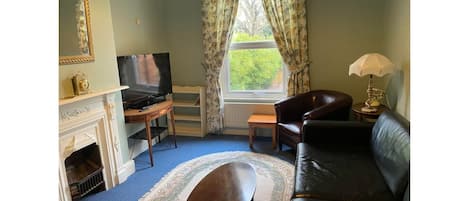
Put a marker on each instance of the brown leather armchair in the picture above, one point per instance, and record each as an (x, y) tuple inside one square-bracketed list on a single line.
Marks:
[(312, 105)]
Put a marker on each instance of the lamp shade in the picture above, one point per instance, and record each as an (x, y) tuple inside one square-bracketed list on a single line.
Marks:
[(371, 64)]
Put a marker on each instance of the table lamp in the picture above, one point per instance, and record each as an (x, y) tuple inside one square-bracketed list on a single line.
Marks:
[(372, 64)]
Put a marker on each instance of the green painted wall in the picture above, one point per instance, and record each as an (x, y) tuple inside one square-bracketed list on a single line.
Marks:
[(397, 45), (185, 41), (339, 32), (165, 25), (139, 26), (102, 73)]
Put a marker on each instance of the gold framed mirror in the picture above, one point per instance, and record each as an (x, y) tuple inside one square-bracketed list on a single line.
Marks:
[(75, 40)]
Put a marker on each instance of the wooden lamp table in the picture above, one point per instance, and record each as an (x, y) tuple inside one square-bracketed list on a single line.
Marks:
[(367, 116), (263, 121), (152, 113)]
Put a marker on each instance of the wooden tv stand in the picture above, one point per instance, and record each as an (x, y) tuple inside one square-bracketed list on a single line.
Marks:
[(151, 113)]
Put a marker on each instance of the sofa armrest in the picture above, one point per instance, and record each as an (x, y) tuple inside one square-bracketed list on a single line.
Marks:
[(336, 132)]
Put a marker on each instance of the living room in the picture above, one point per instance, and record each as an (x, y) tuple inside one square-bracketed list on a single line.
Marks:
[(339, 32)]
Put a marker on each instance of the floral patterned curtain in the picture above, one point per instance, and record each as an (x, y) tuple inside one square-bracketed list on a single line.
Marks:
[(288, 21), (218, 18)]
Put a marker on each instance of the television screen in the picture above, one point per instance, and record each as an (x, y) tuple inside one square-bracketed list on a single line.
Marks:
[(148, 77)]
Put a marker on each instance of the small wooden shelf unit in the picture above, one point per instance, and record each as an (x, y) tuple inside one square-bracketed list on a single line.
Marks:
[(189, 110)]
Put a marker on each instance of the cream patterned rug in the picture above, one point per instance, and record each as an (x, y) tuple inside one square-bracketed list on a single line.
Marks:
[(274, 177)]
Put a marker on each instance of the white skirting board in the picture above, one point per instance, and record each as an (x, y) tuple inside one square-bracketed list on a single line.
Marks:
[(126, 170), (136, 147)]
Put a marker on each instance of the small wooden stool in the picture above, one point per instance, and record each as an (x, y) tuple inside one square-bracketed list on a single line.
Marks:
[(262, 121)]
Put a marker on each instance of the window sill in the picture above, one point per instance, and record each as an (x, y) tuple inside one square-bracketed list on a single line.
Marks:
[(250, 100)]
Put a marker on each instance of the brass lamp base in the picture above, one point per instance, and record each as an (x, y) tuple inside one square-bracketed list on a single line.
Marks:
[(374, 94)]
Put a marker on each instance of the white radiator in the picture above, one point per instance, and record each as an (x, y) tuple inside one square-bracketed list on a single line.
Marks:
[(236, 115)]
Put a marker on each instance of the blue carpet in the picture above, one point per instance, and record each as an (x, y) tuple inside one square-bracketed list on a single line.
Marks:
[(166, 157)]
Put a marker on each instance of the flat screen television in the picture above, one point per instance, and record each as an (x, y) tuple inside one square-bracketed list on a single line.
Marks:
[(148, 77)]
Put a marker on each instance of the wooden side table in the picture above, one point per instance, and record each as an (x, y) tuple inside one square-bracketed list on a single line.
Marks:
[(262, 121), (152, 113), (367, 116)]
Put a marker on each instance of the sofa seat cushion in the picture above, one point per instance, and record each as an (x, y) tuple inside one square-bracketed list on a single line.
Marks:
[(338, 173)]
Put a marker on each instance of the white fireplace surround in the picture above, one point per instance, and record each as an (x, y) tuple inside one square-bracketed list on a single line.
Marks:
[(89, 119)]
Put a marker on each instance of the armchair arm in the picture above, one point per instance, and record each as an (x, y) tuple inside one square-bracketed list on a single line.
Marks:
[(291, 109), (316, 113), (336, 132), (339, 110)]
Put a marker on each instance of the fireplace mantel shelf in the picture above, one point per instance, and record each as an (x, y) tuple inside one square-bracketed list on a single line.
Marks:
[(64, 101)]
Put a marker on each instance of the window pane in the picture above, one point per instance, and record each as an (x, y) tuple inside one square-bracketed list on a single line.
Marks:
[(251, 23), (255, 69)]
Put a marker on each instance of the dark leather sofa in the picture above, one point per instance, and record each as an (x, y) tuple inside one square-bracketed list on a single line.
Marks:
[(354, 161)]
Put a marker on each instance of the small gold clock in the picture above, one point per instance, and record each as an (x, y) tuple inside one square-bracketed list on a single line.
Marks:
[(80, 84)]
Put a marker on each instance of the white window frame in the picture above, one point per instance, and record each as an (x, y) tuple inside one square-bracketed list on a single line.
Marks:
[(251, 95)]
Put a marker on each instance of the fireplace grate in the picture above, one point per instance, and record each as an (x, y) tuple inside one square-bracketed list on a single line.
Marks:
[(87, 184)]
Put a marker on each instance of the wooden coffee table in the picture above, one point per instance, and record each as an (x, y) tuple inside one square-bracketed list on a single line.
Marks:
[(234, 181)]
